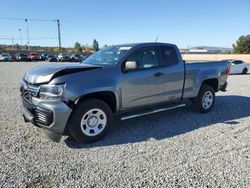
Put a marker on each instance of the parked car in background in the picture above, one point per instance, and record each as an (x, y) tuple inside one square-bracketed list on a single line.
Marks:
[(43, 57), (21, 57), (5, 56), (84, 57), (76, 58), (238, 67), (51, 58), (63, 57), (33, 57)]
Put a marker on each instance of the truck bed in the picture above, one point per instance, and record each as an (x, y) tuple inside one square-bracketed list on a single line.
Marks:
[(199, 70)]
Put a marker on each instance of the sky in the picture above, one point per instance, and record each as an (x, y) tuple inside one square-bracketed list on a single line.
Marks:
[(186, 23)]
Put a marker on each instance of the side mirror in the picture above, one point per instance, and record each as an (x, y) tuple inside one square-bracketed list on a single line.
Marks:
[(131, 65)]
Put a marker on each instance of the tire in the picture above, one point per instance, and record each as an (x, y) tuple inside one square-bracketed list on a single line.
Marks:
[(86, 125), (205, 100), (244, 71)]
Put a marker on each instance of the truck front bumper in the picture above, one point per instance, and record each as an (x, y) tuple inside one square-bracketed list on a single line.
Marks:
[(52, 116)]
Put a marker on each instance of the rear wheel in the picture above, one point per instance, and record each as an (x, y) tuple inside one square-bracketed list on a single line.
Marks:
[(90, 121), (244, 71), (204, 102)]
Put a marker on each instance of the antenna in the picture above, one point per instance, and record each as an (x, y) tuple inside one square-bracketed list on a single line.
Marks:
[(157, 38)]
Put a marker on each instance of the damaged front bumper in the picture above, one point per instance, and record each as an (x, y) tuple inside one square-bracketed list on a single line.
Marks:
[(52, 116)]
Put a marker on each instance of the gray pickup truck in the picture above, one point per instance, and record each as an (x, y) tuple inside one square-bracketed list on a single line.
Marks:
[(118, 82)]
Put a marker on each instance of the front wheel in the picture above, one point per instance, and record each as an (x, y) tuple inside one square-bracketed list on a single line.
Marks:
[(204, 102), (90, 121), (244, 71)]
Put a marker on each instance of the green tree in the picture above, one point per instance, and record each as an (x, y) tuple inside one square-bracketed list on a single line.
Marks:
[(242, 45), (78, 47), (17, 47), (56, 49), (95, 45), (83, 47)]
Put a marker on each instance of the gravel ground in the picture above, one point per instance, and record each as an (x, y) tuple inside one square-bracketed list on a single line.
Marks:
[(178, 148)]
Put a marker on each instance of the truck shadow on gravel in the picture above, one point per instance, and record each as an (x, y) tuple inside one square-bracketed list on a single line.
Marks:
[(227, 110)]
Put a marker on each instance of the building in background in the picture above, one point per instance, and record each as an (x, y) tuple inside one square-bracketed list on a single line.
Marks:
[(206, 50)]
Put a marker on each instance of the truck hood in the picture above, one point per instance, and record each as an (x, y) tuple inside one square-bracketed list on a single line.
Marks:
[(45, 73)]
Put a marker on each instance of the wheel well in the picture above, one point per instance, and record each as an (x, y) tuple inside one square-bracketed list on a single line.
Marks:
[(106, 96), (214, 83)]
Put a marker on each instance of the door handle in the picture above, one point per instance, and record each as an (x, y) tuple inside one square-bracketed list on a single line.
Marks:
[(158, 74)]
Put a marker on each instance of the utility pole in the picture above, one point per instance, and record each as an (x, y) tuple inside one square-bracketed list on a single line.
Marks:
[(28, 37), (13, 43), (20, 34), (59, 34), (157, 38)]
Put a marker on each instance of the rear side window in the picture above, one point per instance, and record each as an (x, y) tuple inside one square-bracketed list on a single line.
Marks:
[(237, 62), (169, 55)]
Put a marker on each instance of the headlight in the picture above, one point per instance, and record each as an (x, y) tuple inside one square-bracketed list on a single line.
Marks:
[(51, 92)]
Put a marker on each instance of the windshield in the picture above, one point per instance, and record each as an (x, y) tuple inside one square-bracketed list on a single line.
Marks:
[(107, 56)]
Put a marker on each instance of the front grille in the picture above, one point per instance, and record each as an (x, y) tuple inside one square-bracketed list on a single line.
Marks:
[(29, 90), (43, 116)]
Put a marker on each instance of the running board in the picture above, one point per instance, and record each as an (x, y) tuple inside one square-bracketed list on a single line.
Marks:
[(152, 112)]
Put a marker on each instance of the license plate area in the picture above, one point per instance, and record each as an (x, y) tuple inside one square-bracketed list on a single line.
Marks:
[(26, 112)]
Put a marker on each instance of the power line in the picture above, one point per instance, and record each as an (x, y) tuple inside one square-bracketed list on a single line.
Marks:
[(42, 38), (32, 38), (36, 20), (29, 19)]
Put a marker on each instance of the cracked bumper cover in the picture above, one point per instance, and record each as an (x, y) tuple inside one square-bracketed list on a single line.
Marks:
[(52, 116)]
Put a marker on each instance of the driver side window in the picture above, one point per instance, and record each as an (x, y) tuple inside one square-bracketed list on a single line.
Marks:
[(146, 58)]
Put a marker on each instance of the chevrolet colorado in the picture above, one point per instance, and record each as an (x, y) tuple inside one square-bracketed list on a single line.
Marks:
[(121, 81)]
